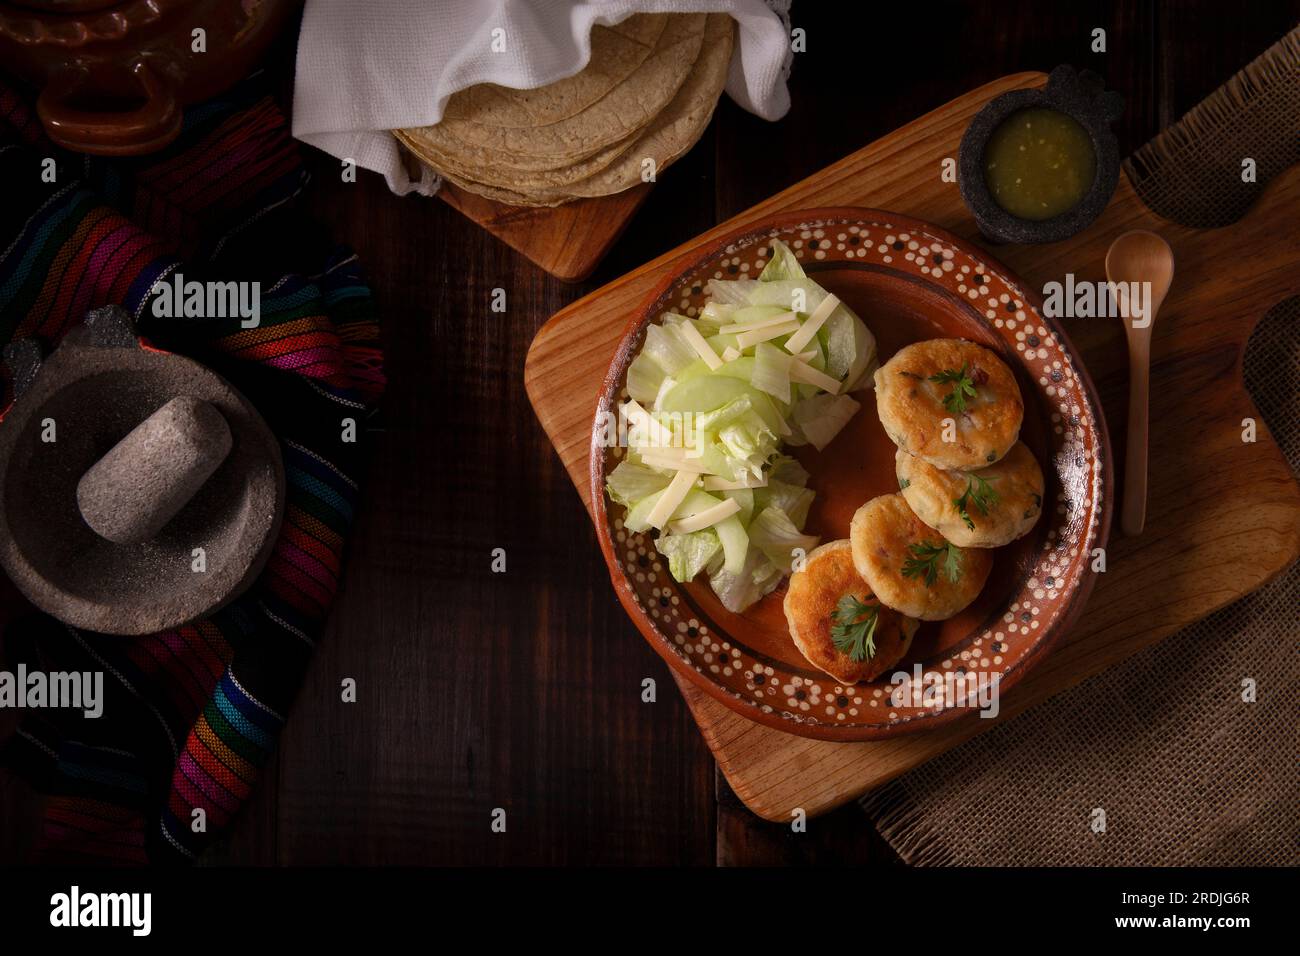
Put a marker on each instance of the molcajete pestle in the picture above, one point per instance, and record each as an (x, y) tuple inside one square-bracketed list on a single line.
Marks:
[(131, 493), (138, 489)]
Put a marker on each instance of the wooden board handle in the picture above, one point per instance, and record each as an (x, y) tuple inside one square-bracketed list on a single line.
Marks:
[(1134, 504)]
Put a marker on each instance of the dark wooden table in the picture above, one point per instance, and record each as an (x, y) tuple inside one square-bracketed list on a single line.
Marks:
[(522, 690)]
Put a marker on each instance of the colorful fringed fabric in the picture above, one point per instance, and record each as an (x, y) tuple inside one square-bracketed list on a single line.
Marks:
[(191, 714)]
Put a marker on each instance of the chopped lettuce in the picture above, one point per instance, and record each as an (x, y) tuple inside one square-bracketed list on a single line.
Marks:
[(791, 499), (751, 445), (787, 469), (688, 554), (731, 292), (666, 349), (630, 482), (711, 435), (644, 376), (821, 417), (782, 265), (739, 407), (849, 346), (773, 533), (771, 371), (738, 590), (716, 313), (637, 517), (735, 543), (745, 498)]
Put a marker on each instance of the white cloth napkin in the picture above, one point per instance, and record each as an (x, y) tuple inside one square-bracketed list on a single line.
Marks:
[(366, 68)]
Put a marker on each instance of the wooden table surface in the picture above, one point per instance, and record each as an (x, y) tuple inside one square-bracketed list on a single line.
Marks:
[(522, 690)]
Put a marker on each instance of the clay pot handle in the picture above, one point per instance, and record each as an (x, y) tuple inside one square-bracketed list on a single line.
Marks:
[(128, 133)]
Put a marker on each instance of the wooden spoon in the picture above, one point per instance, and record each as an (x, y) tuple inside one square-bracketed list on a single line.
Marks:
[(1138, 256)]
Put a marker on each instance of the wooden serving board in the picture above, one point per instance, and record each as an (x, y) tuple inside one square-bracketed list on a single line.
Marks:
[(1223, 515), (567, 241)]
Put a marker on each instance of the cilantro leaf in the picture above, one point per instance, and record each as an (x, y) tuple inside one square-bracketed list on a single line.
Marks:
[(925, 558), (854, 630), (979, 493), (963, 387)]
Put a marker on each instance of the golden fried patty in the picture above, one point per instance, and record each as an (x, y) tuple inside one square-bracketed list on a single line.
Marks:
[(811, 602), (909, 565), (984, 508), (981, 395)]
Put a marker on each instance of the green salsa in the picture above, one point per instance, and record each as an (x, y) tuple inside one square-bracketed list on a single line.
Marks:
[(1039, 163)]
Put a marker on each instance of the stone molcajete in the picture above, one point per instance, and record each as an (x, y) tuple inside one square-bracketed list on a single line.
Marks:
[(138, 489), (1079, 96)]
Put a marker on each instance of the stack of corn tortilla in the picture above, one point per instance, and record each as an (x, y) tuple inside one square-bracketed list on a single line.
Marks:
[(641, 102)]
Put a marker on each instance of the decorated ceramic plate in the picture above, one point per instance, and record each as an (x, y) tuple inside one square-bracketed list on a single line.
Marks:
[(908, 281)]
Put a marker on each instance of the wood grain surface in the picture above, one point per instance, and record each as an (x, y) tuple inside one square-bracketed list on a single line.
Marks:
[(522, 690), (1206, 542), (567, 241)]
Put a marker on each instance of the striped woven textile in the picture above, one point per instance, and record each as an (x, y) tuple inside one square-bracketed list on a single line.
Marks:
[(190, 715)]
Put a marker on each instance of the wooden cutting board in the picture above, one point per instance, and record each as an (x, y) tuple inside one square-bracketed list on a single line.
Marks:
[(1223, 515), (567, 241)]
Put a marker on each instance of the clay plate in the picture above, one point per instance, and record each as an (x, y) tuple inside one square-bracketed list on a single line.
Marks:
[(908, 281)]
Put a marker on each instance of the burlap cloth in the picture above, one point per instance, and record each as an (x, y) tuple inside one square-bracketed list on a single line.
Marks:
[(1186, 773)]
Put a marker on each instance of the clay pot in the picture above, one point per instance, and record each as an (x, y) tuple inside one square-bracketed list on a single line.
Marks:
[(114, 75)]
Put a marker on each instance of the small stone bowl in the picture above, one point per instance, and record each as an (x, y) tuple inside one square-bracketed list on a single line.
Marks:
[(70, 409), (1080, 95)]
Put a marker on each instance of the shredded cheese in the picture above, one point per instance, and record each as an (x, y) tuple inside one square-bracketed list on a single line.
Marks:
[(706, 518), (671, 499), (799, 372), (702, 348), (657, 459), (739, 327), (654, 434), (717, 483), (745, 339), (814, 323)]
